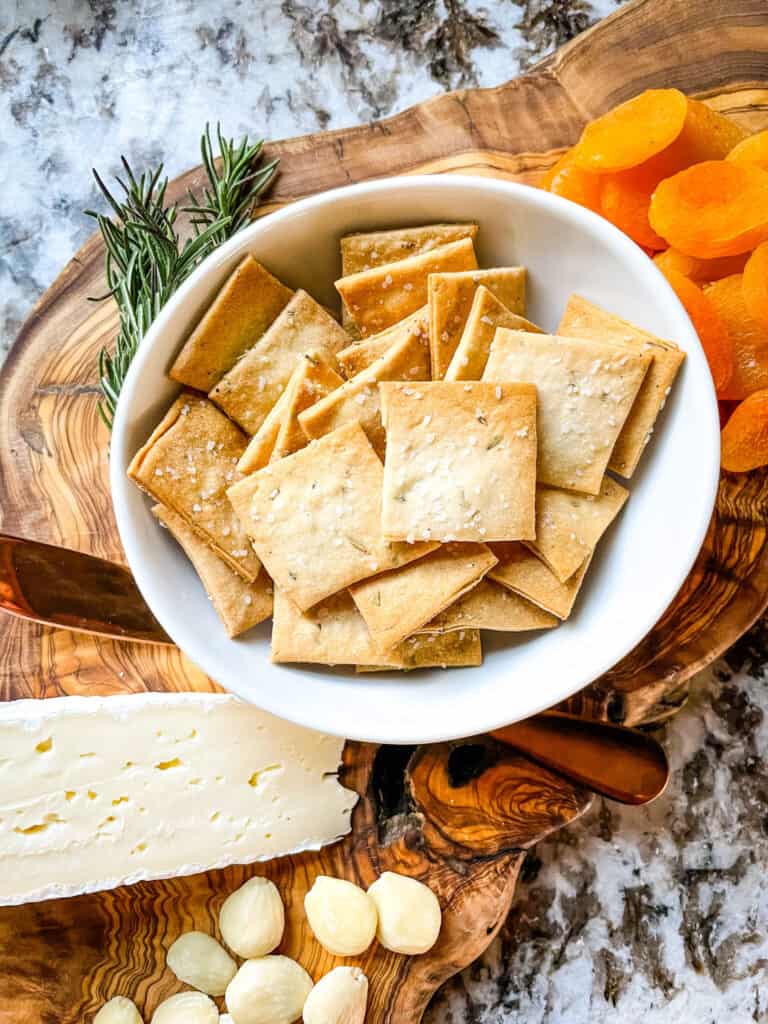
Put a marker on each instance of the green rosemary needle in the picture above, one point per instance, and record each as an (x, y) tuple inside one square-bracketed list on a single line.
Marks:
[(146, 260)]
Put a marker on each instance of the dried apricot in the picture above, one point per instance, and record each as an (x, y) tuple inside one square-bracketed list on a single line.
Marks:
[(748, 337), (706, 135), (752, 150), (632, 132), (755, 284), (566, 180), (700, 270), (744, 440), (711, 330), (725, 407), (625, 200), (716, 208)]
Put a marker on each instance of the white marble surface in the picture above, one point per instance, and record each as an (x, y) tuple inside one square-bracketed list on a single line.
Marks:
[(659, 915)]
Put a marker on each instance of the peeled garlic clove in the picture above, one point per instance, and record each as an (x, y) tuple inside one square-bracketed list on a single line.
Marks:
[(341, 914), (409, 914), (252, 919), (271, 990), (186, 1008), (201, 962), (118, 1011), (340, 997), (225, 1018)]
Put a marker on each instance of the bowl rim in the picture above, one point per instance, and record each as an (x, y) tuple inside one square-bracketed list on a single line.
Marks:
[(607, 234)]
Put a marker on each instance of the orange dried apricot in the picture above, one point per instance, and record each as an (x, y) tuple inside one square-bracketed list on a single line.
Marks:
[(725, 407), (744, 439), (748, 337), (566, 180), (706, 135), (700, 270), (626, 195), (752, 150), (711, 330), (632, 132), (755, 284), (625, 200), (715, 208)]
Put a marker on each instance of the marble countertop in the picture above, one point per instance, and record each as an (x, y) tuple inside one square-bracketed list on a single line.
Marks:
[(658, 914)]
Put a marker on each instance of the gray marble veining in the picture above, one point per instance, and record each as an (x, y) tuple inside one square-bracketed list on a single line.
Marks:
[(659, 915)]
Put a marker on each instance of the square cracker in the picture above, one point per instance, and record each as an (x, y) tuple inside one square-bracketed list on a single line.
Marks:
[(460, 461), (247, 304), (381, 296), (489, 606), (582, 319), (262, 444), (460, 648), (334, 633), (585, 392), (238, 604), (373, 248), (358, 399), (358, 357), (255, 383), (312, 380), (569, 525), (187, 464), (450, 300), (486, 314), (525, 574), (396, 604), (315, 517)]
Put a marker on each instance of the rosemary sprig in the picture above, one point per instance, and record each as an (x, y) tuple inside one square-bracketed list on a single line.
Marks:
[(146, 259)]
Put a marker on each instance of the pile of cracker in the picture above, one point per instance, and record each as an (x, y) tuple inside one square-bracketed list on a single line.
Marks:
[(389, 486)]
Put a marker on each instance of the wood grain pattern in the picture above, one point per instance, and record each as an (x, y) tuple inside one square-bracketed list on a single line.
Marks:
[(59, 960), (62, 959)]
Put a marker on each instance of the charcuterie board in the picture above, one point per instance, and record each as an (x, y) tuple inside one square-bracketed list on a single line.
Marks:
[(60, 960)]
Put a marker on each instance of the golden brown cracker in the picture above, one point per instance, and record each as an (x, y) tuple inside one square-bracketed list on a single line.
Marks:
[(187, 464), (238, 604), (384, 295), (241, 312), (460, 461), (251, 388), (450, 297)]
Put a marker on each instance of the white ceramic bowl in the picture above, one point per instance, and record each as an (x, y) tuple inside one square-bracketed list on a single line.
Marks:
[(640, 564)]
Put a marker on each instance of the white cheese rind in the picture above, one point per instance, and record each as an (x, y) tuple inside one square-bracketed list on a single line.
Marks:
[(98, 792)]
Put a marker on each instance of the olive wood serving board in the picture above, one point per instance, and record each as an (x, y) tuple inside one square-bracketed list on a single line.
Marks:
[(462, 815)]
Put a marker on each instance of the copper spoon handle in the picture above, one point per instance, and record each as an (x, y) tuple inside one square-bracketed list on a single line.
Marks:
[(624, 764), (71, 590)]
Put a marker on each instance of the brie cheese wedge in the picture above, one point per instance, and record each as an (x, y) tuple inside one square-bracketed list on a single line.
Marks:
[(98, 792)]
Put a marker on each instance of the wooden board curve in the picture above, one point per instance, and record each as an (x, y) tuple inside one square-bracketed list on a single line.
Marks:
[(53, 486)]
